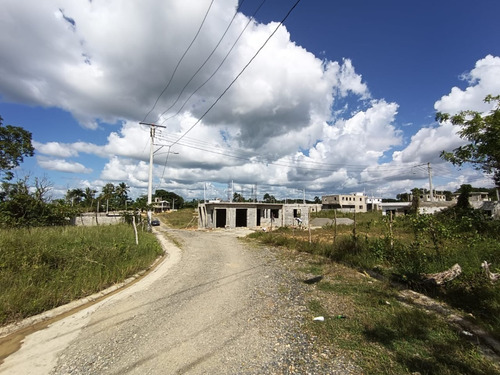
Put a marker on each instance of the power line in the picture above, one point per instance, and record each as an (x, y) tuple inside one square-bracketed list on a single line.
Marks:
[(304, 166), (179, 62), (217, 69), (203, 64), (240, 73), (250, 156)]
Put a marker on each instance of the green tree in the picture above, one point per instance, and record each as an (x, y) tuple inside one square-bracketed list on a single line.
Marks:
[(483, 134), (75, 196), (448, 194), (237, 197), (24, 205), (463, 198), (107, 194), (121, 191), (89, 197), (415, 201), (403, 197), (15, 144), (269, 198), (176, 201)]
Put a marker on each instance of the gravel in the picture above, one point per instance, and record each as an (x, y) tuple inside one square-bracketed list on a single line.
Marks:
[(225, 307)]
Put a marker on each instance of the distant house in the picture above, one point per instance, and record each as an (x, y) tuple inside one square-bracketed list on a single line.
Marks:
[(491, 209), (403, 208), (476, 198), (344, 202), (395, 208), (373, 204), (160, 205), (426, 197)]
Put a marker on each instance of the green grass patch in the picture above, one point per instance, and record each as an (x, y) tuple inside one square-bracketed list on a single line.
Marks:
[(385, 337), (181, 219), (42, 268)]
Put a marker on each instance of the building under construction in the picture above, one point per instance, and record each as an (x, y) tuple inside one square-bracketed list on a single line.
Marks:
[(253, 215)]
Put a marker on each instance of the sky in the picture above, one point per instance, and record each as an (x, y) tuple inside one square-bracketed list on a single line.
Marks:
[(340, 98)]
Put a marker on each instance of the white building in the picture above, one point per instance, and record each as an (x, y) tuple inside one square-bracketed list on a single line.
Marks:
[(373, 204), (344, 202)]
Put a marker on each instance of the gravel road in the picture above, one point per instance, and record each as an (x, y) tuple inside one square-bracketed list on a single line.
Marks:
[(215, 306)]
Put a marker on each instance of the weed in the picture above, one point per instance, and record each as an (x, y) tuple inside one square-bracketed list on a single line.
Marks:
[(42, 268)]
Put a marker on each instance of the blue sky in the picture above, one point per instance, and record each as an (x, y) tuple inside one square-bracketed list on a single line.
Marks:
[(341, 99)]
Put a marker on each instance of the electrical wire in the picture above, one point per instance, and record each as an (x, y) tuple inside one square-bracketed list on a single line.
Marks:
[(239, 74), (218, 67), (179, 62), (251, 157), (202, 65)]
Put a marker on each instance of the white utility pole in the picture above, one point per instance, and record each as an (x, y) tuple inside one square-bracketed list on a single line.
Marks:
[(152, 131), (429, 169)]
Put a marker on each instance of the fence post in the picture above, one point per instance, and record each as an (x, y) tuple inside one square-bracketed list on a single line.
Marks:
[(334, 227)]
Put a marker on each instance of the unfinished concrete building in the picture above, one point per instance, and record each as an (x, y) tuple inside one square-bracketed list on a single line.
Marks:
[(253, 215)]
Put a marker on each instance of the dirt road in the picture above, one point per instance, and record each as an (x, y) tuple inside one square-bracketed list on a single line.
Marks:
[(215, 306)]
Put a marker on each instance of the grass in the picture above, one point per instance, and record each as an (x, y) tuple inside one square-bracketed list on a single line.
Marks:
[(181, 219), (365, 319), (383, 334), (42, 268), (421, 245)]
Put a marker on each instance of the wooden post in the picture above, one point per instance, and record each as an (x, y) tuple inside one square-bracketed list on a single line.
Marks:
[(309, 224), (97, 213), (135, 229), (354, 234), (334, 227), (390, 231)]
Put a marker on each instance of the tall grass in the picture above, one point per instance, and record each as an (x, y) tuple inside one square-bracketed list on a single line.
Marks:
[(41, 268)]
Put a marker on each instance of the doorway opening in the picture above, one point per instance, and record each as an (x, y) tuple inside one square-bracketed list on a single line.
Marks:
[(241, 217)]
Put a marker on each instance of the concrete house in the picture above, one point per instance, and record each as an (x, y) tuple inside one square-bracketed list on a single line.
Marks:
[(253, 214), (344, 202), (160, 205)]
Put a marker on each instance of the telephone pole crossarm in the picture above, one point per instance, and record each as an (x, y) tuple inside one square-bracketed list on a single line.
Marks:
[(151, 124)]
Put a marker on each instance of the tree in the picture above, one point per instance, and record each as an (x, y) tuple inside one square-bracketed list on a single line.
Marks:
[(415, 201), (75, 196), (463, 198), (176, 201), (403, 197), (107, 194), (269, 198), (483, 133), (15, 144), (237, 197), (24, 205), (89, 196), (121, 191)]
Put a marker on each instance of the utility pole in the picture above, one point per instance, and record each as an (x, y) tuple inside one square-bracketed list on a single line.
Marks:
[(152, 132), (429, 169)]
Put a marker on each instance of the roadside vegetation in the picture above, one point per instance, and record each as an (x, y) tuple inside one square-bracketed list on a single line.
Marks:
[(383, 334), (186, 218), (42, 268), (366, 320)]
